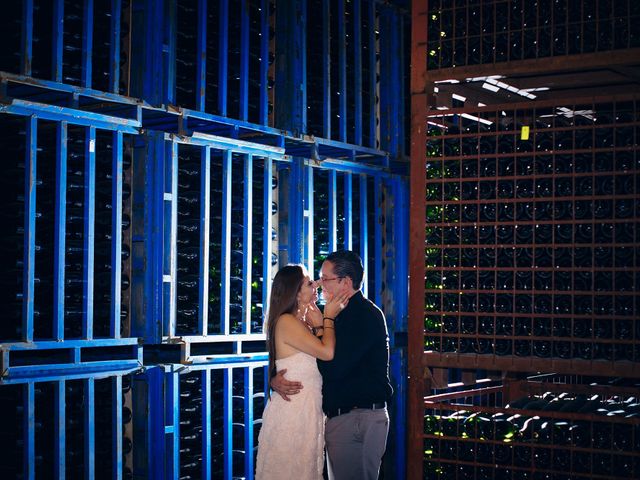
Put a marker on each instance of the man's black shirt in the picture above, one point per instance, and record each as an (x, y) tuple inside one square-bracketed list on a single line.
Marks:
[(359, 372)]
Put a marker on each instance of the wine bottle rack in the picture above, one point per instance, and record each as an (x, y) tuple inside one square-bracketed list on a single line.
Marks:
[(68, 426), (472, 32), (530, 242), (549, 425), (149, 197)]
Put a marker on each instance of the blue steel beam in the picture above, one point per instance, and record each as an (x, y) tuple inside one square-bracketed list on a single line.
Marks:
[(364, 233), (117, 430), (205, 201), (373, 67), (223, 56), (357, 71), (88, 267), (342, 72), (172, 429), (348, 211), (169, 41), (225, 259), (244, 60), (248, 422), (70, 115), (89, 429), (377, 236), (29, 431), (247, 239), (60, 433), (72, 374), (205, 379), (227, 436), (87, 43), (60, 231), (28, 279), (307, 205), (264, 63), (225, 143), (116, 235), (333, 211), (57, 40), (201, 56), (171, 234), (326, 69), (114, 46), (267, 245), (391, 83), (26, 38)]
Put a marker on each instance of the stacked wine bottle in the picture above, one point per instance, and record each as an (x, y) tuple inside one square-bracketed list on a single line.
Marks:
[(550, 435), (472, 32), (530, 243)]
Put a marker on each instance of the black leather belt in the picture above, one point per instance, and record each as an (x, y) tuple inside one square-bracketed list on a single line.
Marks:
[(369, 406)]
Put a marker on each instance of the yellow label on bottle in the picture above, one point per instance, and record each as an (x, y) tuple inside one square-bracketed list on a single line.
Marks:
[(524, 133)]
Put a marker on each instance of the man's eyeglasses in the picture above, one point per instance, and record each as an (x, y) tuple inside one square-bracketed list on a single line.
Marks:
[(330, 279)]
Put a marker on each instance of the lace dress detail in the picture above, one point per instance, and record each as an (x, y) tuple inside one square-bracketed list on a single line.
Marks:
[(291, 440)]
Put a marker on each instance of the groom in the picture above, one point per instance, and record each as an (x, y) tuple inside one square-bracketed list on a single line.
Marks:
[(356, 384)]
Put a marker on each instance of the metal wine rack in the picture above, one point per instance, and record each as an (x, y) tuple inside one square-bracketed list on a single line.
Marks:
[(159, 169), (525, 209)]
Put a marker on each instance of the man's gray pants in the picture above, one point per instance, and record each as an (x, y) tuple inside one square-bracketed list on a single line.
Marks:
[(355, 443)]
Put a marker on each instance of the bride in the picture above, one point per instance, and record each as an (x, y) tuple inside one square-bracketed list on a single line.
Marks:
[(291, 441)]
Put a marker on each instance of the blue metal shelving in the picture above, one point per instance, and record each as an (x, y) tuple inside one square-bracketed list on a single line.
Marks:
[(163, 159)]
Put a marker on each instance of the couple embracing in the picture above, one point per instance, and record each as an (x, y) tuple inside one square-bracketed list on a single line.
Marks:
[(330, 370)]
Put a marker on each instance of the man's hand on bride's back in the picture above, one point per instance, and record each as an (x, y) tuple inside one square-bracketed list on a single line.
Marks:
[(284, 387)]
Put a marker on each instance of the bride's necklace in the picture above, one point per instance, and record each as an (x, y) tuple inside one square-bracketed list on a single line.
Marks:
[(302, 317)]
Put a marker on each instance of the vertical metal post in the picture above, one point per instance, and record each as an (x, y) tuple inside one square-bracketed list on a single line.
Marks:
[(28, 276), (247, 234), (228, 423), (116, 235), (296, 216), (223, 56), (57, 40), (244, 61), (264, 63), (248, 422), (116, 426), (29, 431), (172, 422), (87, 43), (326, 69), (225, 268), (205, 379), (308, 218), (169, 253), (89, 428), (357, 71), (88, 266), (373, 73), (364, 233), (342, 72), (266, 234), (169, 40), (348, 211), (333, 214), (205, 202), (201, 55), (26, 38), (60, 433), (391, 122), (60, 231), (114, 46), (377, 236)]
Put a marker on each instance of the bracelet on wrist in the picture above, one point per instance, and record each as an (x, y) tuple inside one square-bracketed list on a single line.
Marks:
[(329, 318)]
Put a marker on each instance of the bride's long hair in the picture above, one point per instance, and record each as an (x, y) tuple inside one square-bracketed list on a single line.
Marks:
[(284, 299)]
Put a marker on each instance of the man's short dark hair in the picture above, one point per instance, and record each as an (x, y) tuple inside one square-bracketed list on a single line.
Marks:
[(347, 264)]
